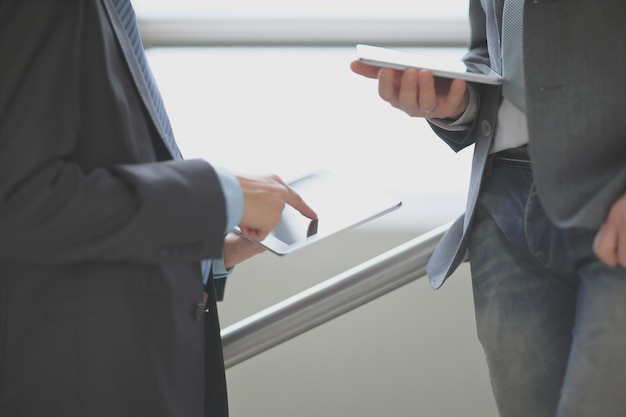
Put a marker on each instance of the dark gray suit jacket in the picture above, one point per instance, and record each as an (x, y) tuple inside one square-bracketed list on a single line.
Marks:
[(576, 95), (101, 233)]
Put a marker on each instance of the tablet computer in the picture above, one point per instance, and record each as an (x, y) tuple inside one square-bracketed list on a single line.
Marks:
[(439, 66), (340, 203)]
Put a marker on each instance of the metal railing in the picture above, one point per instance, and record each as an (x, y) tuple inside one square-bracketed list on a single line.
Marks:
[(302, 32), (329, 299)]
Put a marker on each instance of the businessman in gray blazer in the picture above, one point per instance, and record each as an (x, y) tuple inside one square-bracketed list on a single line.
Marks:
[(545, 224), (106, 309)]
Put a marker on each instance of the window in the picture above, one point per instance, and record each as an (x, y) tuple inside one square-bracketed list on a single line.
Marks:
[(291, 109)]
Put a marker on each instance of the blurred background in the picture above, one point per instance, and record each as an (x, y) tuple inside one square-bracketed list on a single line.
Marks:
[(265, 87)]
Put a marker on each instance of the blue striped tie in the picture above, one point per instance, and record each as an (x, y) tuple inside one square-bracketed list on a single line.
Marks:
[(127, 16), (513, 53)]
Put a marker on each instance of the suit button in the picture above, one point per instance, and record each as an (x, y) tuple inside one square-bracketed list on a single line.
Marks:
[(199, 313), (485, 126)]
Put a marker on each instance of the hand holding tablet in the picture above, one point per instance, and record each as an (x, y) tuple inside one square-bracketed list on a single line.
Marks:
[(439, 66), (340, 204)]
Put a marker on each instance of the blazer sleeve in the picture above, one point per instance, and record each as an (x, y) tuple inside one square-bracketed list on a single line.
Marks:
[(478, 52), (52, 210)]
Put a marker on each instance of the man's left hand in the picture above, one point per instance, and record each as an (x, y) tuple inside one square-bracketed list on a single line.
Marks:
[(610, 242)]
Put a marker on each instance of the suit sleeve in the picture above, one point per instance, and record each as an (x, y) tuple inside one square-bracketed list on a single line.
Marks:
[(53, 211)]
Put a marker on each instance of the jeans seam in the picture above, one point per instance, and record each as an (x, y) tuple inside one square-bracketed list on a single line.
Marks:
[(543, 258)]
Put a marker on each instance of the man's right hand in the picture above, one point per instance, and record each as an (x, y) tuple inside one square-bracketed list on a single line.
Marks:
[(264, 200)]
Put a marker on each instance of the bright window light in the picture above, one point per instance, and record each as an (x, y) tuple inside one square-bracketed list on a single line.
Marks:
[(292, 110)]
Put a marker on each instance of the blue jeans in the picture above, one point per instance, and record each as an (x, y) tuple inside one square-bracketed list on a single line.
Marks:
[(550, 316)]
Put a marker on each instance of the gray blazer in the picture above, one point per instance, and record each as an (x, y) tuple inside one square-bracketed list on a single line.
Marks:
[(576, 95), (101, 233)]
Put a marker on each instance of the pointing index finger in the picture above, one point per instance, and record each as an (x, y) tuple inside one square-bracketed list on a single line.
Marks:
[(296, 201)]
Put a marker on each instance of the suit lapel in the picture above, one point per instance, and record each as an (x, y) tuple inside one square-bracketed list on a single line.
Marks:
[(135, 70)]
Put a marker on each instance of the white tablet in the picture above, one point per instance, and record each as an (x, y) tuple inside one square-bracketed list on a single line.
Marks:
[(439, 66), (340, 204)]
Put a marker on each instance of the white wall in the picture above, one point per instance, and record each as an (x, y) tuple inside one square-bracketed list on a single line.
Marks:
[(412, 352)]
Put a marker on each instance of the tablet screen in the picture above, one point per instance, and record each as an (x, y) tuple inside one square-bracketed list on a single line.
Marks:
[(340, 204)]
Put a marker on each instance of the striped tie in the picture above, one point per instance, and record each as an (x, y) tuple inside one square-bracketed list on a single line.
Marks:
[(513, 53), (127, 16)]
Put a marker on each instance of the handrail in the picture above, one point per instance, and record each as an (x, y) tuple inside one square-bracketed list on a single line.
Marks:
[(157, 32), (329, 299)]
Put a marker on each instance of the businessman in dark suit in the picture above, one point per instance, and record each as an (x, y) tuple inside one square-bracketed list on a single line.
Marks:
[(545, 223), (105, 309)]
